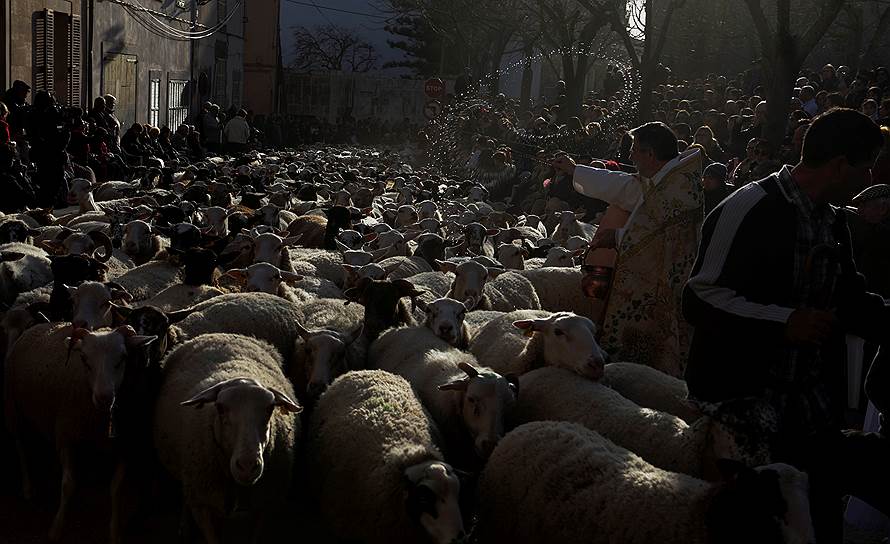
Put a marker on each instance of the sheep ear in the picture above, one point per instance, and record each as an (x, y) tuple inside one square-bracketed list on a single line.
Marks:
[(209, 395), (139, 341), (456, 385), (341, 246), (7, 256), (292, 241), (285, 402), (302, 331), (469, 369), (239, 274), (446, 266), (290, 277), (513, 380), (527, 325), (121, 294), (495, 272)]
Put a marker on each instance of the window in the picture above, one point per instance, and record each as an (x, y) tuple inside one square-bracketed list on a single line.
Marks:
[(154, 102), (178, 103), (236, 88), (219, 83)]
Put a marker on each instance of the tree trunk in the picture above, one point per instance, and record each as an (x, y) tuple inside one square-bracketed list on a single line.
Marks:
[(647, 84), (781, 72)]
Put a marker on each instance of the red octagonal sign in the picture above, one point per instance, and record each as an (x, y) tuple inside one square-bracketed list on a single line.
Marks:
[(434, 88)]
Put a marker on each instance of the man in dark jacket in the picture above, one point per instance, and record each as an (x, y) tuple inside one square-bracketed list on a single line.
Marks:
[(773, 291)]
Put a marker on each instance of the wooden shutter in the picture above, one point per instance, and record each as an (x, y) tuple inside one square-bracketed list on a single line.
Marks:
[(74, 71), (44, 50)]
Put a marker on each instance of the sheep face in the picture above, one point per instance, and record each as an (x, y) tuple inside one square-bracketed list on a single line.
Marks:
[(429, 224), (268, 215), (217, 221), (406, 215), (104, 356), (268, 248), (430, 247), (511, 256), (351, 239), (432, 501), (184, 236), (445, 317), (80, 191), (487, 398), (469, 279), (263, 278), (427, 209), (475, 234), (569, 342), (324, 357), (137, 238), (381, 301), (354, 274), (780, 506), (93, 304), (559, 257), (147, 321), (244, 409)]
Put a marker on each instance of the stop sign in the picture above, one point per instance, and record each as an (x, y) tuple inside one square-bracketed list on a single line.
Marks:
[(434, 88)]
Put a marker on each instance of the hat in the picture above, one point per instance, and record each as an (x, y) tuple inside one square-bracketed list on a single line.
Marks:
[(715, 170), (19, 84), (881, 190)]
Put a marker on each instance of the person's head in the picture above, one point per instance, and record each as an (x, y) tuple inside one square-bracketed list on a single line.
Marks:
[(731, 108), (834, 100), (870, 108), (807, 93), (760, 112), (822, 99), (799, 133), (206, 106), (154, 132), (137, 128), (4, 111), (654, 144), (110, 102), (840, 148), (827, 72), (99, 104), (242, 113), (704, 135), (20, 90), (874, 93), (714, 176), (762, 151), (214, 109)]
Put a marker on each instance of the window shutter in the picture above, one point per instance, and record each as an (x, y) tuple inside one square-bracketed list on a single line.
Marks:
[(44, 50), (74, 74)]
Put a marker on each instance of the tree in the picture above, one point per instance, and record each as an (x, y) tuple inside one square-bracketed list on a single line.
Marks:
[(784, 48), (332, 48)]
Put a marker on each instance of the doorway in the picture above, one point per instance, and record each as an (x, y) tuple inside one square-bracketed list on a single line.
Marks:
[(119, 79)]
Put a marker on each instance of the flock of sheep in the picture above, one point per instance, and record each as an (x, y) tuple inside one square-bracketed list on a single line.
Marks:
[(408, 360)]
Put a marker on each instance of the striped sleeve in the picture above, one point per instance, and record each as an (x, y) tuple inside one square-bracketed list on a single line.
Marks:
[(708, 299)]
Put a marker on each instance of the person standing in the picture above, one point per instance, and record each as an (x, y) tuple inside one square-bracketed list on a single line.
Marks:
[(237, 133), (774, 289), (652, 222)]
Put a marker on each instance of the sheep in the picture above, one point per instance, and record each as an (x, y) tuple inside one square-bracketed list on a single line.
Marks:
[(509, 291), (216, 220), (263, 277), (662, 439), (383, 304), (68, 242), (147, 280), (559, 257), (15, 230), (14, 323), (445, 318), (70, 271), (181, 296), (569, 226), (559, 290), (520, 341), (23, 267), (321, 355), (464, 400), (511, 256), (245, 448), (354, 273), (651, 388), (261, 315), (93, 303), (404, 267), (271, 248), (376, 472), (562, 483), (141, 244), (71, 404)]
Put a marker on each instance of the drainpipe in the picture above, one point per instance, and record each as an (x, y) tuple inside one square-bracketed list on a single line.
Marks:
[(192, 44), (7, 43), (88, 68)]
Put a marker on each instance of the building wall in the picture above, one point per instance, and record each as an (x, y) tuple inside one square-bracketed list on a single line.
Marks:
[(18, 49), (123, 49), (219, 59), (261, 55)]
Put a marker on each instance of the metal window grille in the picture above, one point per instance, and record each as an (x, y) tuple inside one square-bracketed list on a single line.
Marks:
[(178, 103), (154, 102)]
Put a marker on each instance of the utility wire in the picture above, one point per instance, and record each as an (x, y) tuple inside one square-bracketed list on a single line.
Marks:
[(313, 5), (159, 27)]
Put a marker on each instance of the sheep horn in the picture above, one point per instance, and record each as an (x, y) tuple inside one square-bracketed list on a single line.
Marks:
[(101, 238), (469, 369), (302, 331), (63, 234)]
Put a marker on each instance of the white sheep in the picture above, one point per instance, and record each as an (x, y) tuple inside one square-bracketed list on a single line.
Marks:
[(561, 483), (261, 315), (404, 267), (569, 226), (507, 291), (376, 471), (445, 317), (93, 304), (23, 267), (465, 400), (651, 388), (559, 290), (662, 439), (520, 341), (62, 385), (181, 296), (511, 256), (147, 280), (241, 449)]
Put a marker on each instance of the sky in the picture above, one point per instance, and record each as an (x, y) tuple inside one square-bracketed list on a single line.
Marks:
[(366, 19)]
